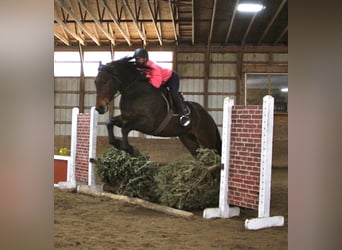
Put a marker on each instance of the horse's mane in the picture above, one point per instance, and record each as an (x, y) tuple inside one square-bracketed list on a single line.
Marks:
[(128, 64)]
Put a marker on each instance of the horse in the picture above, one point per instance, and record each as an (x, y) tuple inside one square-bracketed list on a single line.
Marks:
[(144, 108)]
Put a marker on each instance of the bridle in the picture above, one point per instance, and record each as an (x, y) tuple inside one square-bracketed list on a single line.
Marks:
[(120, 92)]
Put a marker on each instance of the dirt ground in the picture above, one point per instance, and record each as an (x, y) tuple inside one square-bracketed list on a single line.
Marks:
[(87, 222)]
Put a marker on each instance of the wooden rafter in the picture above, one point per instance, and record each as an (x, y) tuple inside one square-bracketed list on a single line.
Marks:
[(116, 22), (135, 21), (248, 29), (70, 31), (154, 21), (212, 22), (231, 22), (62, 38), (173, 21), (178, 22), (281, 34), (272, 20), (85, 6), (71, 12)]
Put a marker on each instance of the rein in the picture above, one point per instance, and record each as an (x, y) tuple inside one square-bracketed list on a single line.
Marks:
[(120, 92)]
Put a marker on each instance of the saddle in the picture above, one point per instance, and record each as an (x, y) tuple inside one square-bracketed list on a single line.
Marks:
[(172, 109), (165, 91)]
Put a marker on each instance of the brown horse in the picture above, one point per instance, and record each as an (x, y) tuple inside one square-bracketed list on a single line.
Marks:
[(145, 109)]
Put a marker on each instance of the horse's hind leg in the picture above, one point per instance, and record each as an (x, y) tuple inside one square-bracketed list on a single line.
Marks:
[(124, 143), (111, 122), (190, 142)]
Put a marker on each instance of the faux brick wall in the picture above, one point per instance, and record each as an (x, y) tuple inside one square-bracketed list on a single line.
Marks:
[(82, 147), (245, 149)]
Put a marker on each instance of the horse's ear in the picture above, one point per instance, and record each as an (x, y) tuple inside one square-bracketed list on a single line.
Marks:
[(100, 66)]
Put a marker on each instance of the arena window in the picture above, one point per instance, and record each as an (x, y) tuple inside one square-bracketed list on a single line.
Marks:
[(68, 63)]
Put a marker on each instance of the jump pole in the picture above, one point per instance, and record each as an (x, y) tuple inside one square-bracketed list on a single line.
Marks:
[(225, 211)]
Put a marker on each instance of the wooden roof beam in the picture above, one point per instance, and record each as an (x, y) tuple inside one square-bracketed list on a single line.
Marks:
[(248, 29), (70, 31), (272, 21), (231, 22), (116, 22), (154, 21), (173, 21), (135, 21), (62, 38), (281, 34), (85, 6), (71, 13), (212, 22)]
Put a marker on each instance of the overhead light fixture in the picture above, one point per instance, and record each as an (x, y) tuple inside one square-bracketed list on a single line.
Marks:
[(284, 90), (250, 7)]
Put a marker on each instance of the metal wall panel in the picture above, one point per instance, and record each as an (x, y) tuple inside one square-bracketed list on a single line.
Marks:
[(89, 84), (192, 85), (66, 97), (280, 58), (227, 57), (193, 56), (222, 70), (222, 85), (255, 57), (67, 83), (191, 69)]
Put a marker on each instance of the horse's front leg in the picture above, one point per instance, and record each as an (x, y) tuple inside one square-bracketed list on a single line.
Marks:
[(111, 122), (124, 143)]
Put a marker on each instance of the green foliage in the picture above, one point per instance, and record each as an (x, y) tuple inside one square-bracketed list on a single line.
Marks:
[(129, 175), (187, 183), (190, 184)]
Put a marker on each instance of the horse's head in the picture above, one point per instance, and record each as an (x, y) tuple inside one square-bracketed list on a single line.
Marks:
[(111, 78), (106, 87)]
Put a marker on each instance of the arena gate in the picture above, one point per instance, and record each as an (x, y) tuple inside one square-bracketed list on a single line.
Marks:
[(246, 162), (78, 167)]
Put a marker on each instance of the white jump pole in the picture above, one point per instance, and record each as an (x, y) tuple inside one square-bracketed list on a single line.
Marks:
[(224, 211), (70, 183), (264, 220), (92, 146)]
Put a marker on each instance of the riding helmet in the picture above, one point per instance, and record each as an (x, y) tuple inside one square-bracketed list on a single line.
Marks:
[(141, 53)]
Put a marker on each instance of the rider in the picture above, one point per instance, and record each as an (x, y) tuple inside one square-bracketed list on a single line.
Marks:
[(159, 76)]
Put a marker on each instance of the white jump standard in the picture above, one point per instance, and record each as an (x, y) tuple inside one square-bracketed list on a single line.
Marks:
[(224, 210)]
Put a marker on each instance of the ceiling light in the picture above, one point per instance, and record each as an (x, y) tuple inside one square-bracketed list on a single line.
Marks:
[(250, 7), (285, 90)]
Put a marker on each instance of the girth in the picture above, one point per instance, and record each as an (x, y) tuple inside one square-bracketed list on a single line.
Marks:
[(170, 113)]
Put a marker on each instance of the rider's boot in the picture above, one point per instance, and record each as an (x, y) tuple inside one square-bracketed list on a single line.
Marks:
[(184, 119)]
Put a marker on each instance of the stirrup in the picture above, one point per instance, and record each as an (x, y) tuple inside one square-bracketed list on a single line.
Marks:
[(184, 120)]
